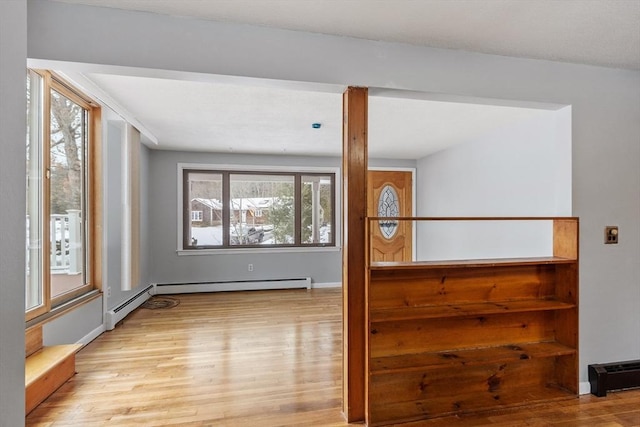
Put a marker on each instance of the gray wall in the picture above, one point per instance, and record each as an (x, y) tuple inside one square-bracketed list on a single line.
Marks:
[(86, 322), (80, 325), (145, 243), (605, 106), (113, 215), (168, 267), (13, 62)]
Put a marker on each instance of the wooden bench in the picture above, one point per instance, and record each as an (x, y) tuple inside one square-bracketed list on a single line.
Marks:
[(46, 368)]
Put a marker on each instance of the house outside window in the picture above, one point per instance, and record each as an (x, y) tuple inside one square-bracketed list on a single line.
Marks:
[(245, 208)]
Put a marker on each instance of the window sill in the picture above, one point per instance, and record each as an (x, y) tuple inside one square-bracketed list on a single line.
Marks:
[(270, 250)]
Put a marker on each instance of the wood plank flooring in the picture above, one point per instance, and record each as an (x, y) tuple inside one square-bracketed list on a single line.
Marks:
[(268, 358)]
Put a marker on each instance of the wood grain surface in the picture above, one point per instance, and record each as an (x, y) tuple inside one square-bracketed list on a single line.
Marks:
[(264, 358)]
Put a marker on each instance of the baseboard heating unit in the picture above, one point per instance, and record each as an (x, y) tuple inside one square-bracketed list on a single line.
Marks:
[(121, 311), (614, 376), (235, 285)]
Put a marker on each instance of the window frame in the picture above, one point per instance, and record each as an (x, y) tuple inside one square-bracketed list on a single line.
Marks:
[(92, 193), (184, 248)]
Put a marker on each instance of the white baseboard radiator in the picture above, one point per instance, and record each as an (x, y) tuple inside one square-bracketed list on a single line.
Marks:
[(121, 311), (235, 285)]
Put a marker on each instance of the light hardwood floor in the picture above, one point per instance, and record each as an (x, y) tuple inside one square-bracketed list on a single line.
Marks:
[(250, 359)]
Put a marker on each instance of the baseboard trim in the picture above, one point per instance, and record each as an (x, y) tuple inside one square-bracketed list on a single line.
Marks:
[(584, 388), (326, 285), (91, 335), (226, 286)]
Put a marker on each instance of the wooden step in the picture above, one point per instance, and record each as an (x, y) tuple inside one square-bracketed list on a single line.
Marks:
[(46, 370)]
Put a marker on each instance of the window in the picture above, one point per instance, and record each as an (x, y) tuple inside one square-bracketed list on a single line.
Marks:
[(257, 209), (62, 251)]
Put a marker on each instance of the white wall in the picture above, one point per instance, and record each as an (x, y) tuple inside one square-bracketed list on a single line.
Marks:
[(605, 127), (13, 62), (523, 169)]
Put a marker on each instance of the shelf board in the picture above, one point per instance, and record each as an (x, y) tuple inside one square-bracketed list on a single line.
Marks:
[(474, 263), (467, 357), (385, 413), (465, 310)]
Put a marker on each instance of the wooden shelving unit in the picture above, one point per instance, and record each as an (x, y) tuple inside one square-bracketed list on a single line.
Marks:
[(463, 336)]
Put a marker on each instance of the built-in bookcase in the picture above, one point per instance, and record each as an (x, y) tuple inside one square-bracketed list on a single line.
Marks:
[(462, 336)]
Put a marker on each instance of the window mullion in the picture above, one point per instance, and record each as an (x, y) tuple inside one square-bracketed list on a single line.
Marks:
[(226, 209), (46, 191), (186, 203), (297, 200), (333, 210)]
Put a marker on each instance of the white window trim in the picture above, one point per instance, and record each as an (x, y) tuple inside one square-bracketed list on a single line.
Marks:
[(259, 168)]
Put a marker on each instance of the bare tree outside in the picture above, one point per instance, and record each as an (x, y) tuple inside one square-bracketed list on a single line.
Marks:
[(68, 121)]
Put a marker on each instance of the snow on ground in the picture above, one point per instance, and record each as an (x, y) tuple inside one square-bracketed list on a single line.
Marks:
[(212, 236)]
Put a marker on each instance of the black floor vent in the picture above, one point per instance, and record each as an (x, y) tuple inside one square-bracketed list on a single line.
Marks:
[(614, 376)]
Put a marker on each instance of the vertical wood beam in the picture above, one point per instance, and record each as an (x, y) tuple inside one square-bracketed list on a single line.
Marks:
[(354, 211)]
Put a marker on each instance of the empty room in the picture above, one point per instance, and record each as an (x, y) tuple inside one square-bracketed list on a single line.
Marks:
[(320, 213)]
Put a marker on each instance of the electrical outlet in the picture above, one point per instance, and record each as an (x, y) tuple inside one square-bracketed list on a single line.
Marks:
[(250, 267), (108, 291), (611, 235)]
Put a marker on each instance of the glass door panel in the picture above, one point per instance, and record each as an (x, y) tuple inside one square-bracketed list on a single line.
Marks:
[(34, 289), (67, 206)]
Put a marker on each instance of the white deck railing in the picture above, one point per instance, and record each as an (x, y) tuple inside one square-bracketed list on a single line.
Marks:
[(66, 242)]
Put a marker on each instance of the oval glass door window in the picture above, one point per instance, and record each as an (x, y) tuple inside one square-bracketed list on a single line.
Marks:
[(388, 205)]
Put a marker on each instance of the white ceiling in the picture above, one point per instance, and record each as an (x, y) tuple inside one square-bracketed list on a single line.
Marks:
[(249, 118), (223, 117)]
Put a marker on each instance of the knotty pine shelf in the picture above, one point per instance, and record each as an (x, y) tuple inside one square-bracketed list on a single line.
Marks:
[(466, 310), (467, 357), (466, 402), (460, 336), (469, 263)]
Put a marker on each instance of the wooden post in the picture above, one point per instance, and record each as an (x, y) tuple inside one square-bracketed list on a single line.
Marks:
[(354, 211)]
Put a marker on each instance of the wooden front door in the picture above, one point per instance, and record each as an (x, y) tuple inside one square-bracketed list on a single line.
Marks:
[(390, 194)]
